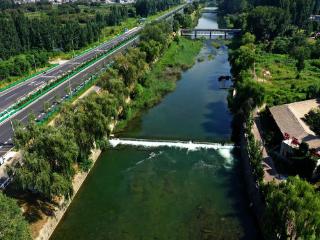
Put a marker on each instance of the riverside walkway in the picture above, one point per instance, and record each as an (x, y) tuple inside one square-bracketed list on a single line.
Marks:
[(270, 172)]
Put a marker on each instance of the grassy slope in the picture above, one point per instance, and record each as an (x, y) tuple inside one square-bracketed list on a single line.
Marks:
[(282, 86)]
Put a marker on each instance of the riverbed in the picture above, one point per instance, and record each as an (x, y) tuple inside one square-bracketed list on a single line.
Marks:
[(169, 192)]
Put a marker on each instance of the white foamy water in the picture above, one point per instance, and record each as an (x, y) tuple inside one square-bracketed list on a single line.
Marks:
[(191, 146)]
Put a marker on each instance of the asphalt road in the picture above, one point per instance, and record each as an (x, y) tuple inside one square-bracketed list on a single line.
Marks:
[(60, 92), (8, 97), (12, 95)]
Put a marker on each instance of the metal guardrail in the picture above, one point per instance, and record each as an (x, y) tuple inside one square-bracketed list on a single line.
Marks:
[(88, 64), (27, 78)]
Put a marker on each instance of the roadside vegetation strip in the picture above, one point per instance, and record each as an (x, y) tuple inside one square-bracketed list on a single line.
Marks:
[(27, 78), (152, 18), (42, 92), (51, 114)]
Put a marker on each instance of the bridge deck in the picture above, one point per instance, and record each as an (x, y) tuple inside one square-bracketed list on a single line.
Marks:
[(235, 30)]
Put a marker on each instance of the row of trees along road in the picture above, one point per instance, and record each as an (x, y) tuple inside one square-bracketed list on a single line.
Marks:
[(66, 28), (54, 154), (292, 207)]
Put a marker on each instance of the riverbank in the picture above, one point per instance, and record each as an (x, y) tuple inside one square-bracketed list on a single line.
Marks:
[(177, 58), (180, 56), (52, 222)]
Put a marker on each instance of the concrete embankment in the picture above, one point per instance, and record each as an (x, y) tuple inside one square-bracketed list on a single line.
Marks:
[(52, 222), (253, 191)]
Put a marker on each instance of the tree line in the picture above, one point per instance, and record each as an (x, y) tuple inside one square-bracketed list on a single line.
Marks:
[(54, 154), (145, 8), (28, 42), (268, 18), (281, 27), (19, 34), (23, 64)]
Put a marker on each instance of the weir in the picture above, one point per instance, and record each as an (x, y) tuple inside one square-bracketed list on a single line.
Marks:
[(148, 143)]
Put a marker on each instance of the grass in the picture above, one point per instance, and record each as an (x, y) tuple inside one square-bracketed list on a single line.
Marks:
[(164, 74), (283, 86)]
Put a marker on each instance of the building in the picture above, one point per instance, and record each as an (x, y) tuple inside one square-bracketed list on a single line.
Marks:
[(289, 119)]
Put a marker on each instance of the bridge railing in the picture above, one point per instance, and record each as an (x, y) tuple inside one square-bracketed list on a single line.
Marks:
[(198, 32)]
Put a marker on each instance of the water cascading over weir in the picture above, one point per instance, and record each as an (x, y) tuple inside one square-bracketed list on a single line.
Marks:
[(189, 145)]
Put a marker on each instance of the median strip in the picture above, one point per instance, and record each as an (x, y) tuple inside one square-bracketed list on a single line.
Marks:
[(27, 78), (42, 92)]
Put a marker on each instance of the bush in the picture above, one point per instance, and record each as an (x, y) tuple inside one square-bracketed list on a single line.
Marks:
[(313, 120), (315, 63)]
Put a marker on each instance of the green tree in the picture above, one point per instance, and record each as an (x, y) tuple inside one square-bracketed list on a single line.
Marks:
[(132, 66), (12, 223), (266, 22), (151, 48), (242, 59), (300, 53), (292, 211)]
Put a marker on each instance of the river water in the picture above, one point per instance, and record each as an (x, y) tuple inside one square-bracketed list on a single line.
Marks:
[(168, 193)]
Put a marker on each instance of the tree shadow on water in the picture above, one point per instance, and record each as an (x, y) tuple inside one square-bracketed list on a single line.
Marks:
[(218, 120), (240, 203)]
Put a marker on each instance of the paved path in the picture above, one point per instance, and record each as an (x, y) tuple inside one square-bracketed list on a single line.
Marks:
[(270, 172)]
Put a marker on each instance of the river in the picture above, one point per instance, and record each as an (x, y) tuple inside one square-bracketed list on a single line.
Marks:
[(169, 193)]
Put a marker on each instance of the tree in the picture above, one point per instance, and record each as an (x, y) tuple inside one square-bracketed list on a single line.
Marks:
[(151, 48), (292, 211), (249, 95), (303, 163), (266, 22), (300, 53), (312, 118), (248, 38), (12, 223), (242, 59), (132, 66)]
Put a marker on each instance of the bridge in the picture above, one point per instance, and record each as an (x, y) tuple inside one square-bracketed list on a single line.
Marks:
[(198, 32), (209, 10)]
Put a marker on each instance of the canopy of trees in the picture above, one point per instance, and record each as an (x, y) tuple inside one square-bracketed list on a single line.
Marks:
[(268, 18), (145, 8), (52, 154), (313, 120), (12, 223), (293, 211), (19, 33)]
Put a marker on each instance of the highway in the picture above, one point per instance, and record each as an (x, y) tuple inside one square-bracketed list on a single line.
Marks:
[(11, 95), (61, 92)]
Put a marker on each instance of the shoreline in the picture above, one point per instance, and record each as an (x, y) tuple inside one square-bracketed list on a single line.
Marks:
[(52, 222)]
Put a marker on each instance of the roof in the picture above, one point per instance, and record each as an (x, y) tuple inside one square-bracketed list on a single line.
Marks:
[(289, 118)]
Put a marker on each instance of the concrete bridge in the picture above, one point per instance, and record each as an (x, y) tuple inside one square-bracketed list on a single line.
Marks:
[(209, 10), (198, 32)]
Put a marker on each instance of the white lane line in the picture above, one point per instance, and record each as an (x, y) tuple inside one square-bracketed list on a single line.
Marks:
[(94, 65)]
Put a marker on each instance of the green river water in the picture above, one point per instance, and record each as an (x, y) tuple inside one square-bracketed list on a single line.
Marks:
[(168, 193)]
